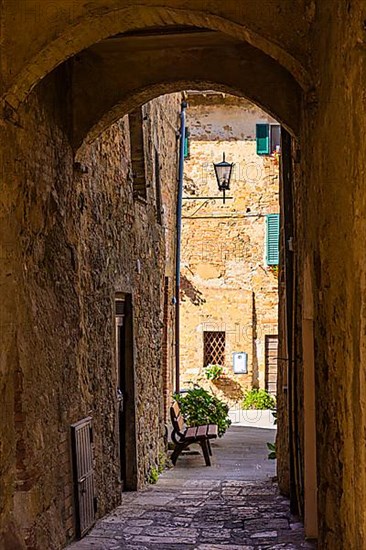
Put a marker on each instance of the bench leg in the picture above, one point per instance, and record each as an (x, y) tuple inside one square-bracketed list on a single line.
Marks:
[(209, 447), (206, 453), (179, 447), (177, 450)]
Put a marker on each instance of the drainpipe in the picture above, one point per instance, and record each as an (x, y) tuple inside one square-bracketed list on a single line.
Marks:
[(178, 246)]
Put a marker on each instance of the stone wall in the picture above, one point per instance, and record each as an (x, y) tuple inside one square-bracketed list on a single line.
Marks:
[(71, 236), (331, 229), (226, 284), (163, 123)]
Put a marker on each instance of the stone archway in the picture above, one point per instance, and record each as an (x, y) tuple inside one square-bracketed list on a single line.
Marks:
[(78, 29), (68, 107), (184, 58), (322, 39)]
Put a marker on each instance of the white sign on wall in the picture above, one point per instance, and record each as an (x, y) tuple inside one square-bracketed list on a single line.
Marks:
[(240, 362)]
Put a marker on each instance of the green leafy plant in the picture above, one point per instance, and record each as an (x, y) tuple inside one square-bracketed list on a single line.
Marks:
[(199, 407), (155, 471), (153, 475), (258, 399), (213, 372), (163, 461), (272, 451), (273, 269)]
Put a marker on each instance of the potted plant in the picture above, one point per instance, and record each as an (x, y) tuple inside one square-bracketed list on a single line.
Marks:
[(213, 372), (257, 408), (198, 406)]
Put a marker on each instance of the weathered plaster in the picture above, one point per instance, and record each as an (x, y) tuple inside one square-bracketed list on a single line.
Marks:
[(226, 284)]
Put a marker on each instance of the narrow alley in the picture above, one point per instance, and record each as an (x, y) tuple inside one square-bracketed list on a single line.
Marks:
[(234, 505), (182, 205)]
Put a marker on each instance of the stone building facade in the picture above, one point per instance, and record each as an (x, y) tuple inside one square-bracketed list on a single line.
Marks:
[(229, 291), (78, 233)]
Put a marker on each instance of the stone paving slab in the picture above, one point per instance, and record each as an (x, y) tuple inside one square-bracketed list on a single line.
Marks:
[(239, 508)]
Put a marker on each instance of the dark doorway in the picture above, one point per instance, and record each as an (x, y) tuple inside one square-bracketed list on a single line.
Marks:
[(125, 391)]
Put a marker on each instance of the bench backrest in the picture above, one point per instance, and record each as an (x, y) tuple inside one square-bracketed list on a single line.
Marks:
[(177, 418)]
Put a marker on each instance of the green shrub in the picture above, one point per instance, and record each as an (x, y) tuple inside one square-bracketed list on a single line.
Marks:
[(162, 462), (213, 372), (258, 399), (199, 407), (272, 455), (153, 475)]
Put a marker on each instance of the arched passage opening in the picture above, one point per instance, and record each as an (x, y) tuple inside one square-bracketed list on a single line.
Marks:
[(78, 30), (172, 60), (83, 97)]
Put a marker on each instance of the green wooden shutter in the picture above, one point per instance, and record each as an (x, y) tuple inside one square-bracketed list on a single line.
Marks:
[(272, 239), (186, 143), (262, 136)]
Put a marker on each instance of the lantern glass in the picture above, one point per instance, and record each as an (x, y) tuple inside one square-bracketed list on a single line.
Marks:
[(223, 171)]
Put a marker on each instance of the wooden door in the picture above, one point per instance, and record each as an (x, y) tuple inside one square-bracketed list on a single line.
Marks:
[(82, 454), (125, 391), (271, 352), (121, 383)]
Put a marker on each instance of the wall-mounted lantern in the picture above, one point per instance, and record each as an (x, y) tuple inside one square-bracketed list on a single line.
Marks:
[(223, 172)]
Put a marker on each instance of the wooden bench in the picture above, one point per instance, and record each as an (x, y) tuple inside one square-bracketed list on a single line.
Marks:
[(183, 436)]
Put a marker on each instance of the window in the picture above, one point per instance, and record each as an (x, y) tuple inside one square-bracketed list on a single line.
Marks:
[(272, 238), (262, 136), (275, 136), (159, 205), (186, 143), (268, 138), (137, 154), (213, 348)]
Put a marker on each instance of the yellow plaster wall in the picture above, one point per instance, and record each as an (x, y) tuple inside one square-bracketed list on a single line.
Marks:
[(226, 284)]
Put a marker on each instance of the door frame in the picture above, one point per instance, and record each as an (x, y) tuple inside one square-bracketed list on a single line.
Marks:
[(291, 345), (130, 437), (267, 338), (310, 448)]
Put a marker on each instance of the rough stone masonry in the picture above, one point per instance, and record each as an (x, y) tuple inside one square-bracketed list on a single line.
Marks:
[(227, 284), (73, 234)]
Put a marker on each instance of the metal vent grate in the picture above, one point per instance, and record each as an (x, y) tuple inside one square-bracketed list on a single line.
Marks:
[(82, 457), (214, 348)]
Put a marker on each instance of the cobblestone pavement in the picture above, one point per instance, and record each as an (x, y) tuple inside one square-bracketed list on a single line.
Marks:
[(232, 506)]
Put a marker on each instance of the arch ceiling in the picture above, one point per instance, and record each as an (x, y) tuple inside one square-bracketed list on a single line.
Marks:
[(41, 34), (115, 75)]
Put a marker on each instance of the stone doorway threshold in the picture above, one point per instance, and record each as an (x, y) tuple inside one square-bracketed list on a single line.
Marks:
[(234, 505)]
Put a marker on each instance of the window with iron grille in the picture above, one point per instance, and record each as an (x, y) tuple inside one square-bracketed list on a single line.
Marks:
[(213, 348)]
